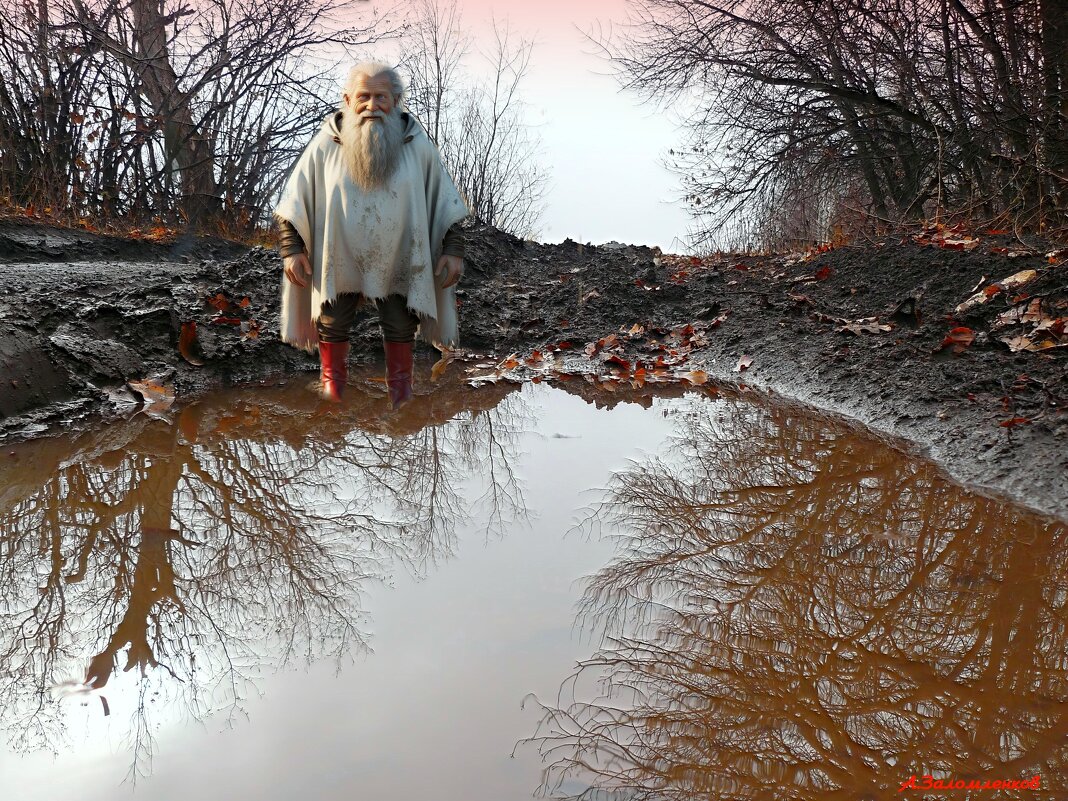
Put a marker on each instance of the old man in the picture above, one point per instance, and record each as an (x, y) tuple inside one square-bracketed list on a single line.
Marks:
[(370, 211)]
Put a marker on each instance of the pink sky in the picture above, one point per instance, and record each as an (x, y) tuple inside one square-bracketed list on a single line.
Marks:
[(604, 147)]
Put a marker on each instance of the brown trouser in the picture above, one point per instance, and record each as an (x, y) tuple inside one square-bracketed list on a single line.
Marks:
[(398, 324)]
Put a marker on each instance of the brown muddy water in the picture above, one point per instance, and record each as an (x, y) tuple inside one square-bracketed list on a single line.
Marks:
[(702, 596)]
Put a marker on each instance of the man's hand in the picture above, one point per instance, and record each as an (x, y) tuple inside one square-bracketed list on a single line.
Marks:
[(297, 268), (452, 267)]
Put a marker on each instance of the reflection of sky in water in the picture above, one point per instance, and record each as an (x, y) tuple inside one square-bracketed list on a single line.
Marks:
[(434, 711), (801, 611)]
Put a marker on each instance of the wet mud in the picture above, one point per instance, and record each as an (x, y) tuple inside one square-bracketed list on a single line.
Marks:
[(871, 332)]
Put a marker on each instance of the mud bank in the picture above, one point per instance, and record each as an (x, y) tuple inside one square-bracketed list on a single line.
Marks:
[(858, 331)]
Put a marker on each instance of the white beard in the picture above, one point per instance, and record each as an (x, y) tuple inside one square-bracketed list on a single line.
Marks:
[(371, 148)]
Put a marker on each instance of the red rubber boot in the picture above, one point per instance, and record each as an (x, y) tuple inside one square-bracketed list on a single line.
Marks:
[(399, 364), (333, 370)]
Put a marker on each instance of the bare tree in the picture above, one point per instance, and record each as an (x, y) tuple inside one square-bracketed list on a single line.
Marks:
[(488, 148), (166, 108), (900, 110)]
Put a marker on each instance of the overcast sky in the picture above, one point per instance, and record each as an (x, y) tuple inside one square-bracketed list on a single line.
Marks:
[(605, 149)]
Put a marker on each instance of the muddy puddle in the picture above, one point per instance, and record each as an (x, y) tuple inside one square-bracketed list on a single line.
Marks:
[(699, 596)]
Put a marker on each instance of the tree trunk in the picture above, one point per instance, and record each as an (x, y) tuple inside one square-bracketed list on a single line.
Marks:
[(186, 148)]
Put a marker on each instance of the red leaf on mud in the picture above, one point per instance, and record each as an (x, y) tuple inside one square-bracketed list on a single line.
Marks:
[(992, 290), (219, 302), (999, 251), (694, 261), (185, 343), (226, 321), (740, 266), (958, 338), (996, 231), (563, 344), (823, 273), (534, 357), (1015, 421), (743, 362), (244, 303), (613, 359)]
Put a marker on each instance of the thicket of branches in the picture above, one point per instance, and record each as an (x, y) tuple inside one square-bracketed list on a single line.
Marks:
[(192, 111), (173, 109), (478, 126), (820, 114)]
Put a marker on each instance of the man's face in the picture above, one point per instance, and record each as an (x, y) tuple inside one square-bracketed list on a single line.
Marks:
[(372, 98)]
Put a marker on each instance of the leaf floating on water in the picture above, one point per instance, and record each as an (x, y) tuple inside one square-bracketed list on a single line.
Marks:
[(157, 398)]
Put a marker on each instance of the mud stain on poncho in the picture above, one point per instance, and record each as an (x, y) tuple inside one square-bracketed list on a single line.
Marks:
[(377, 243)]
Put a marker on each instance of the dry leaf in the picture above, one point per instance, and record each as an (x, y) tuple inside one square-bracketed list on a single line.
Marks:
[(743, 363), (958, 339), (696, 376), (1013, 281), (186, 339)]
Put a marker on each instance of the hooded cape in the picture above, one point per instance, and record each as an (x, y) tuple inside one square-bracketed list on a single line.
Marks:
[(376, 243)]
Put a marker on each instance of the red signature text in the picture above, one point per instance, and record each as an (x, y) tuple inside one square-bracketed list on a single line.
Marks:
[(931, 783)]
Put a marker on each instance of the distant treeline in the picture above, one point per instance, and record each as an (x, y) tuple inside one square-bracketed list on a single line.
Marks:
[(811, 115)]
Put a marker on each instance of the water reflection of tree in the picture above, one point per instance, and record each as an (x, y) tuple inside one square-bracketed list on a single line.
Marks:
[(795, 613), (238, 539)]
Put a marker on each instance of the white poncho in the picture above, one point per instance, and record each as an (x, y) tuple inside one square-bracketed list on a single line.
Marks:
[(377, 243)]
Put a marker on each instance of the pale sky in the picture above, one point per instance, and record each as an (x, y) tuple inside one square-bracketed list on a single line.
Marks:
[(605, 148)]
